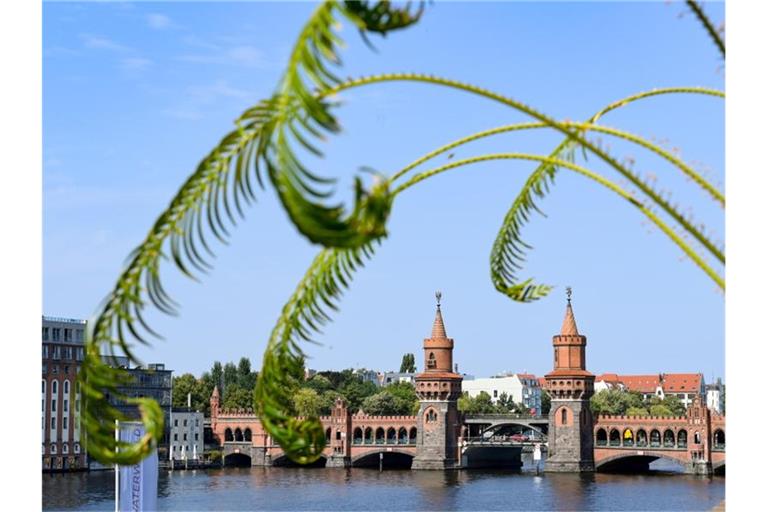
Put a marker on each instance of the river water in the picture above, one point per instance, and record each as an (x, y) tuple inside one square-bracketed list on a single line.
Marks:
[(368, 489)]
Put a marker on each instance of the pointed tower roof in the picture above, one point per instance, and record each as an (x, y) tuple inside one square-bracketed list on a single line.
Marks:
[(569, 322), (438, 327)]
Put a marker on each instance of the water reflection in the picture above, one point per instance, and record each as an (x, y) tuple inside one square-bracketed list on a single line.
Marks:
[(369, 489)]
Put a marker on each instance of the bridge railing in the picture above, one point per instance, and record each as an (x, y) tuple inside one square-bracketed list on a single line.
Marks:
[(510, 416)]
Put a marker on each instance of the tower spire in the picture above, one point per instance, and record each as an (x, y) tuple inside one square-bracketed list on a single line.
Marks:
[(438, 327), (569, 322)]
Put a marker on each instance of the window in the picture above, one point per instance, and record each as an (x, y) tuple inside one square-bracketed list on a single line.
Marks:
[(66, 405), (45, 351), (67, 352), (43, 400), (77, 405), (66, 369), (64, 424), (66, 387), (175, 423), (185, 423), (55, 387), (53, 423), (564, 416), (175, 437), (55, 369), (53, 448), (431, 363), (197, 437), (197, 422), (79, 335), (67, 334), (56, 352), (43, 386), (45, 334), (56, 334), (77, 447), (495, 393), (79, 354), (53, 405), (45, 367), (185, 436)]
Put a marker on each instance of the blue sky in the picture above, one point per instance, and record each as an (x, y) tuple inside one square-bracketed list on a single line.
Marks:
[(135, 94)]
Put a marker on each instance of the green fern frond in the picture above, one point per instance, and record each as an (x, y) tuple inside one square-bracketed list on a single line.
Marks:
[(209, 203), (694, 6), (302, 439), (559, 163)]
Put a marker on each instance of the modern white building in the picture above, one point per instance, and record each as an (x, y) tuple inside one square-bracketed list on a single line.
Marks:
[(186, 434), (520, 387), (716, 396)]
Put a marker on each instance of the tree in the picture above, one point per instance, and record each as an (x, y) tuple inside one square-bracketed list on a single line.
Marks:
[(614, 401), (661, 410), (636, 411), (230, 375), (480, 404), (307, 402), (217, 375), (546, 402), (408, 365), (382, 403), (319, 383), (670, 403), (182, 386), (264, 146), (246, 379), (355, 391), (236, 397)]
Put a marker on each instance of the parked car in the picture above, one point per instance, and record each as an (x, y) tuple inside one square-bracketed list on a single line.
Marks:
[(519, 438)]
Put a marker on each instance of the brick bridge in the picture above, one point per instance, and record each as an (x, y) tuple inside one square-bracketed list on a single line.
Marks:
[(696, 441), (440, 437), (351, 439)]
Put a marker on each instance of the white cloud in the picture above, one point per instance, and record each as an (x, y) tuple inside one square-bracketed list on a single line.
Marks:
[(135, 64), (158, 21), (238, 55), (99, 42)]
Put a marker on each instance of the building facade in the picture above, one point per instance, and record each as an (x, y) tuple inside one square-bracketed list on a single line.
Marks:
[(520, 387), (63, 352), (716, 396), (685, 386), (186, 433)]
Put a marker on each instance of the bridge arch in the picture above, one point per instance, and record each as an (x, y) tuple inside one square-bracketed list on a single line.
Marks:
[(655, 438), (392, 457), (628, 437), (718, 439), (669, 438), (380, 439), (238, 435), (357, 436), (499, 426), (237, 459), (614, 439), (718, 468), (631, 462), (682, 438), (601, 437), (247, 435), (228, 435), (368, 438), (641, 438), (391, 435), (412, 435)]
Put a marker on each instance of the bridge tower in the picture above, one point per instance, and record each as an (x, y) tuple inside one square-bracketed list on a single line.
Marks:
[(438, 389), (570, 386)]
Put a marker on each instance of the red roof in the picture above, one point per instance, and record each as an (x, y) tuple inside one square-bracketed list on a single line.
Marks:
[(669, 382), (640, 383), (682, 382)]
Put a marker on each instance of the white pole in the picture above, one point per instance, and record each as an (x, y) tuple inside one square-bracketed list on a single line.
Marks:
[(117, 470)]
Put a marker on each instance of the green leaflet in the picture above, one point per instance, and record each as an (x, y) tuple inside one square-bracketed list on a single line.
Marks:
[(302, 439), (210, 201)]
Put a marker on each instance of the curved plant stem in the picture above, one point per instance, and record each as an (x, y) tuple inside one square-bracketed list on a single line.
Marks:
[(585, 172), (573, 135), (704, 19)]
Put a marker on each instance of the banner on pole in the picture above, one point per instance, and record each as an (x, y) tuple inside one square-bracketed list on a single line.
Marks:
[(138, 483)]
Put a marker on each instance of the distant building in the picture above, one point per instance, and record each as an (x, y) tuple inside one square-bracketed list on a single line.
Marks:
[(686, 386), (152, 381), (368, 375), (187, 437), (387, 378), (716, 396), (521, 388), (63, 351)]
